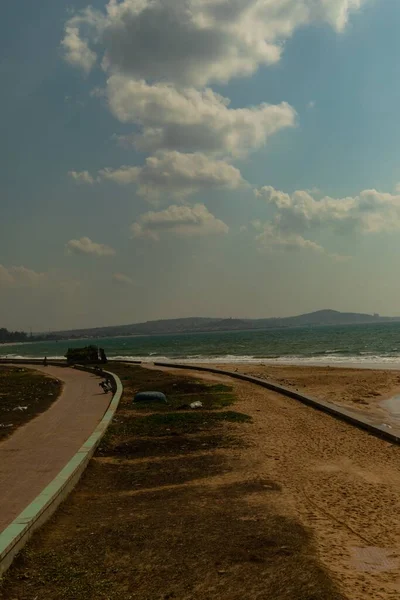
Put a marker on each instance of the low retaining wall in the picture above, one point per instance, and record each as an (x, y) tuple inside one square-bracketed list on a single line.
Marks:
[(336, 411), (59, 362), (15, 536)]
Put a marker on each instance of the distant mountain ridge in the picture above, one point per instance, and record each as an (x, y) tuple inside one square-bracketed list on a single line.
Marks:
[(205, 324)]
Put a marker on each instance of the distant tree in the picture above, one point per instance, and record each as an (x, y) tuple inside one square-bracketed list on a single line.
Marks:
[(12, 336)]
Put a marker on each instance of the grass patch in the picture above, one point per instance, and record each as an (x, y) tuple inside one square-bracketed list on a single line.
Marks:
[(210, 400), (174, 423), (180, 390), (24, 393), (153, 474), (168, 424), (167, 446), (178, 423)]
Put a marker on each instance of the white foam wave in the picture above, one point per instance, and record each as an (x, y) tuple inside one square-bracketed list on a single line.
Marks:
[(367, 361), (30, 357), (326, 359)]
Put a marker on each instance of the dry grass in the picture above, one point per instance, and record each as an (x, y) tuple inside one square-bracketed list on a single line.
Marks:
[(24, 393), (164, 512)]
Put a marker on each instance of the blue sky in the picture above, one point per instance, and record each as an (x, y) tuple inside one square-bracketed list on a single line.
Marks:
[(295, 203)]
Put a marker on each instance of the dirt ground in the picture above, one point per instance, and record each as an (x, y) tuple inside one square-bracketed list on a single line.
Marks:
[(24, 393), (359, 389), (181, 505)]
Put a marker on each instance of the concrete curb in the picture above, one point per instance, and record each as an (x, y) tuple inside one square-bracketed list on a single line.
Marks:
[(34, 361), (15, 536), (327, 407)]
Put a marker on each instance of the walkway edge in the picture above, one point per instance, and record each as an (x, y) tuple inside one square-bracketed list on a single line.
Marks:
[(15, 536), (327, 407)]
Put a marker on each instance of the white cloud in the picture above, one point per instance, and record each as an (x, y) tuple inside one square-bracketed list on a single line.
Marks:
[(193, 42), (123, 175), (76, 50), (159, 58), (368, 212), (192, 120), (81, 177), (296, 214), (183, 221), (85, 246), (18, 277), (271, 237), (122, 279), (176, 175)]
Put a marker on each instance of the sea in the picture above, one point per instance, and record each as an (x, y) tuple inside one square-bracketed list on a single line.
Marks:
[(364, 345)]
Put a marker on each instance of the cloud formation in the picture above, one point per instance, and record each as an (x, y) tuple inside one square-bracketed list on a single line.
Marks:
[(176, 175), (192, 120), (159, 59), (20, 277), (81, 177), (270, 237), (122, 279), (161, 56), (368, 212), (85, 246), (193, 42), (76, 50), (299, 214), (184, 221)]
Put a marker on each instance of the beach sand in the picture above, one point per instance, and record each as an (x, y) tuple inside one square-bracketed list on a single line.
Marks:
[(336, 480), (362, 390)]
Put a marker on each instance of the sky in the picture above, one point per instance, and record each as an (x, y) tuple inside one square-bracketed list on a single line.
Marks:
[(176, 158)]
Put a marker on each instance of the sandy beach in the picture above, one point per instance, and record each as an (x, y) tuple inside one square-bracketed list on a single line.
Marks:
[(362, 390), (337, 481)]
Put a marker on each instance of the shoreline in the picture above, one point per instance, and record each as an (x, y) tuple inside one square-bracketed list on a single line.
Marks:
[(379, 363), (257, 362)]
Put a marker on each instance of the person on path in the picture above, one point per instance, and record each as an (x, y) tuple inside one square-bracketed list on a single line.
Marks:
[(106, 386)]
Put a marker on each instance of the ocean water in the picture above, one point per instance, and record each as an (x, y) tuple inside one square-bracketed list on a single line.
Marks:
[(369, 344)]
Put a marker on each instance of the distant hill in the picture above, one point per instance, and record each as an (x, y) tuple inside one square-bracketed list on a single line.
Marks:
[(204, 324)]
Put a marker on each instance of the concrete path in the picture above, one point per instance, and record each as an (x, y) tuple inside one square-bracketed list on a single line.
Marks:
[(37, 451)]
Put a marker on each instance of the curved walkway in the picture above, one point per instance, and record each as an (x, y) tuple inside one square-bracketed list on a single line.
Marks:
[(37, 451)]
